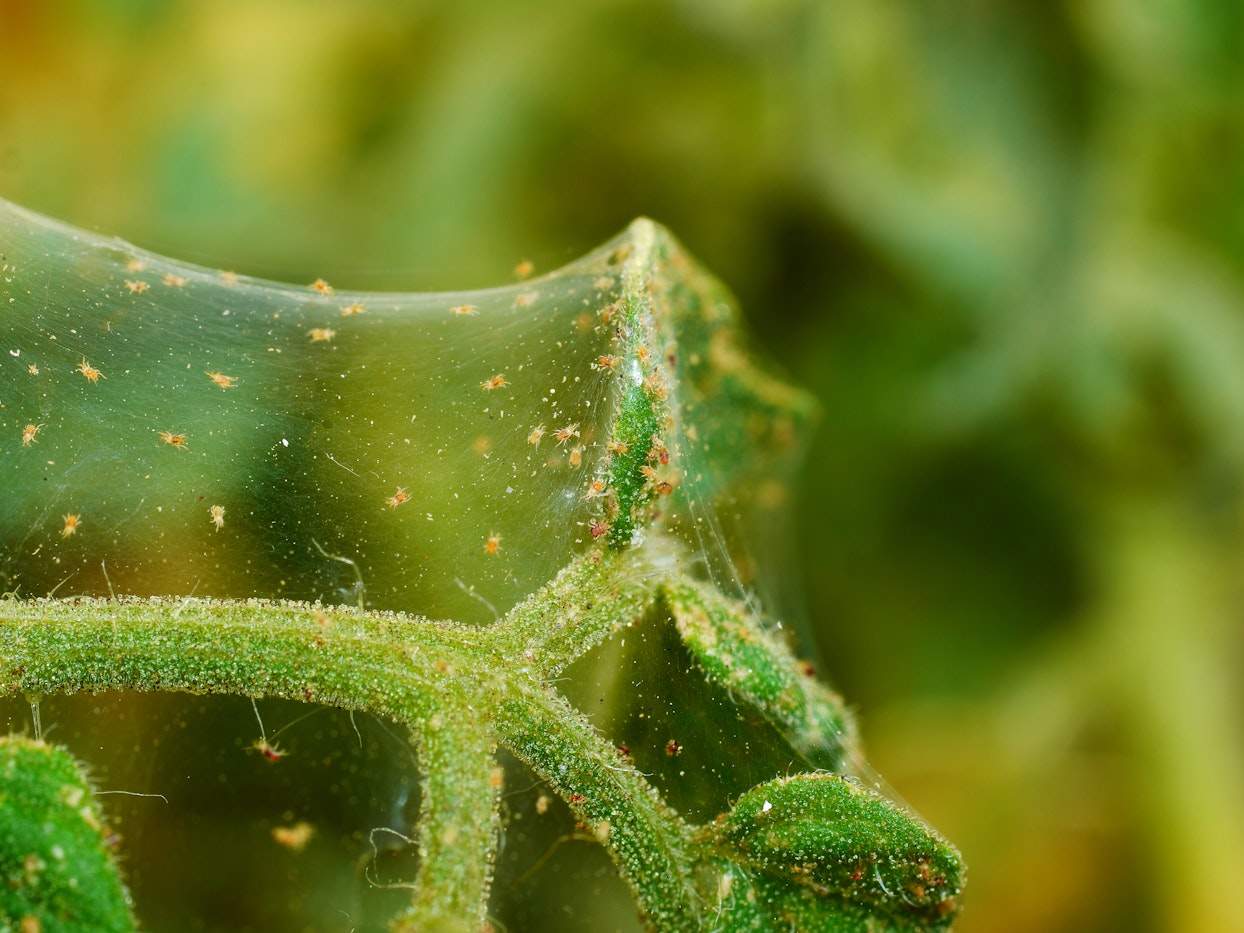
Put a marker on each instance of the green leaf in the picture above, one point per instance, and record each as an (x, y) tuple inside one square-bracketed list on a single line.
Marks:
[(56, 855), (872, 864)]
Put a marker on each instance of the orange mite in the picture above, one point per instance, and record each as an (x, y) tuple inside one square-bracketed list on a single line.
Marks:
[(322, 287), (268, 750), (463, 310), (321, 333), (398, 498), (173, 440), (71, 525), (493, 544), (177, 281), (225, 382), (29, 433), (294, 837), (606, 362), (566, 433), (495, 382), (91, 373)]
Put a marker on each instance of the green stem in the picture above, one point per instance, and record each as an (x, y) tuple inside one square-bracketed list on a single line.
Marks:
[(459, 822), (649, 841)]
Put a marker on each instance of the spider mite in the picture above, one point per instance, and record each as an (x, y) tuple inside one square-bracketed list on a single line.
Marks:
[(136, 288), (294, 837), (495, 382), (536, 433), (662, 486), (398, 498), (324, 334), (605, 362), (177, 281), (599, 529), (464, 310), (493, 544), (525, 299), (217, 513), (596, 488), (268, 749), (351, 310), (32, 369), (225, 382), (28, 434), (524, 269), (173, 440), (71, 525), (92, 374), (319, 285), (135, 265), (576, 455), (663, 455), (566, 433)]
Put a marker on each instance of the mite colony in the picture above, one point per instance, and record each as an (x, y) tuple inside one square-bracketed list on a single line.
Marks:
[(567, 437), (92, 374)]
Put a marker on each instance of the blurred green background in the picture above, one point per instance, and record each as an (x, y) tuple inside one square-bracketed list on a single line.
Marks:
[(1001, 241)]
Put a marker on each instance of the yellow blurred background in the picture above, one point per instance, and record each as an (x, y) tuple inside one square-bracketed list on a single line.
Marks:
[(1003, 242)]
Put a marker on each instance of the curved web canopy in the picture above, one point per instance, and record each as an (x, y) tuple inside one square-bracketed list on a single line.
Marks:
[(440, 454)]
